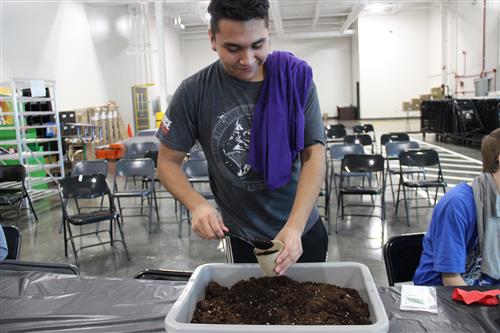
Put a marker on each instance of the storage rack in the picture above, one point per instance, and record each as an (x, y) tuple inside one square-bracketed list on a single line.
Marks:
[(51, 162)]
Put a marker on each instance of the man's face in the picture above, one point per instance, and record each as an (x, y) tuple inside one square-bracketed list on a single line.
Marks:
[(242, 47)]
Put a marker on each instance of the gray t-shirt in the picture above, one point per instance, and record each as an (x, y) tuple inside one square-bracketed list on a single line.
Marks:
[(217, 110)]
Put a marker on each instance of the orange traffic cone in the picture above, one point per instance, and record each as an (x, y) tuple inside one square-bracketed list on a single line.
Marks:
[(129, 131)]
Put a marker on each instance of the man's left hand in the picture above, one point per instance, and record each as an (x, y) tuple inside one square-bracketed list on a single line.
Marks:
[(292, 238)]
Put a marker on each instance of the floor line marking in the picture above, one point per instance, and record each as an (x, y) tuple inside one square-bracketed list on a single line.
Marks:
[(450, 151)]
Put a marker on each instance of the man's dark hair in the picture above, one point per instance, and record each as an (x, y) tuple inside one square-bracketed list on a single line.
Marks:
[(237, 10)]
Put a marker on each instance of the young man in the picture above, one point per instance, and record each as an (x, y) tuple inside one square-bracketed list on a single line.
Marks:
[(257, 118), (462, 245)]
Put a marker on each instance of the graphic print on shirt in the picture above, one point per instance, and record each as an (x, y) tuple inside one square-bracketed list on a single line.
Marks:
[(230, 143)]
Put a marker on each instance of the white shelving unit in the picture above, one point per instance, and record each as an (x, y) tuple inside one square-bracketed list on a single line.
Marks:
[(19, 115)]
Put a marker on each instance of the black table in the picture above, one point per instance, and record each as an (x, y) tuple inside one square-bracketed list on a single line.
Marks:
[(47, 302)]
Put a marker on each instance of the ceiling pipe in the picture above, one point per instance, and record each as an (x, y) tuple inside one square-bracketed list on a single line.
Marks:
[(277, 20), (317, 34), (484, 39), (317, 10), (353, 16)]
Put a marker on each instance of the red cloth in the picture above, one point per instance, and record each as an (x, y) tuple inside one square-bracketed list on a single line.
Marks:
[(488, 297)]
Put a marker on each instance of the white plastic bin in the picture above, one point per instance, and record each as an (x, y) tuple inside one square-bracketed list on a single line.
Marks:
[(343, 274)]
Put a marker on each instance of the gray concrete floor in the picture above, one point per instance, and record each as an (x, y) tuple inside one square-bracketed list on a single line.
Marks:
[(359, 239)]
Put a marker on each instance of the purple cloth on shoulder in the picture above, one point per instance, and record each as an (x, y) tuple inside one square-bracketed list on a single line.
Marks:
[(278, 124)]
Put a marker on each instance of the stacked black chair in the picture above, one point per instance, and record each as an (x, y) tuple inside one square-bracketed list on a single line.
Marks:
[(14, 240), (371, 164), (88, 187), (402, 256), (14, 196), (419, 159)]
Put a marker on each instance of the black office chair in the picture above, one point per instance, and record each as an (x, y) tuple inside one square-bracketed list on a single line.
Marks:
[(402, 256), (33, 266), (419, 159), (88, 187), (196, 171), (373, 164), (137, 167), (361, 139), (12, 196), (163, 274), (14, 240)]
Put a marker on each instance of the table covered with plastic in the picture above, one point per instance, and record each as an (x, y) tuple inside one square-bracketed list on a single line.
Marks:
[(47, 302)]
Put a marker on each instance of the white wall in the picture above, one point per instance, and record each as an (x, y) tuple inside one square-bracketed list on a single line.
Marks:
[(465, 33), (330, 60), (53, 41), (84, 48), (393, 62)]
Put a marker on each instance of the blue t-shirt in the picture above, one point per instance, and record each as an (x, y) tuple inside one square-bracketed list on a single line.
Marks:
[(451, 242)]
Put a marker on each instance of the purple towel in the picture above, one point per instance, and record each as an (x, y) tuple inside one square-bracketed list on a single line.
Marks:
[(278, 123)]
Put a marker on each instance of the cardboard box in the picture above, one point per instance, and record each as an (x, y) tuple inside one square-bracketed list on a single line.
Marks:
[(343, 274), (407, 106), (437, 92)]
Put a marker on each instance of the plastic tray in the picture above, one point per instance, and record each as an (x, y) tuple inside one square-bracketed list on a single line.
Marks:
[(343, 274)]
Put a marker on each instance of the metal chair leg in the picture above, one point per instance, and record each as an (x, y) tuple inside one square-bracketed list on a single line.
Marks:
[(406, 207)]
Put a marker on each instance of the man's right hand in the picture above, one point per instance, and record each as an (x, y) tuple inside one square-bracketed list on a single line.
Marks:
[(207, 222)]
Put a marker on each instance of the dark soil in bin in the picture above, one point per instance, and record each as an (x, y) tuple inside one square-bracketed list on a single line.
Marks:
[(281, 301)]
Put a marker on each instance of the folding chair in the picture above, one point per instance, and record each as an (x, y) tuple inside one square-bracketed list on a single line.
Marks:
[(196, 171), (12, 196), (392, 150), (147, 132), (337, 153), (367, 129), (137, 167), (139, 149), (89, 168), (373, 164), (419, 159), (402, 256), (88, 187), (392, 137), (14, 240), (335, 133), (362, 139), (33, 266)]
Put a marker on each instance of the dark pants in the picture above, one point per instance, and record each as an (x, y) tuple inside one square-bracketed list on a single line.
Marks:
[(314, 246)]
